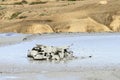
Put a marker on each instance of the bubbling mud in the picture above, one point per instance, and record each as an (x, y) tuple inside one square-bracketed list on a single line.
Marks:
[(41, 52)]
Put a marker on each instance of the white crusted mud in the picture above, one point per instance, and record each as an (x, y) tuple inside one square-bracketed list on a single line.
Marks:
[(41, 52)]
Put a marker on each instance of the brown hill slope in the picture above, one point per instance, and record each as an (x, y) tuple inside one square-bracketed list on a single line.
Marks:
[(27, 27), (60, 16)]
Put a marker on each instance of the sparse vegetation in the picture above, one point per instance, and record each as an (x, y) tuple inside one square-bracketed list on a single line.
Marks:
[(24, 2), (75, 0), (2, 0), (90, 29), (20, 3), (22, 17), (33, 3), (14, 15), (43, 14), (71, 0), (1, 8), (0, 14)]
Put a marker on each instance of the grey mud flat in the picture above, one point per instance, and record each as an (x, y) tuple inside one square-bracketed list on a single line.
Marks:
[(103, 47)]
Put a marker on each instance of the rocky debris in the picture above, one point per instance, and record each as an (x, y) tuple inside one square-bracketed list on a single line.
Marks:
[(41, 52)]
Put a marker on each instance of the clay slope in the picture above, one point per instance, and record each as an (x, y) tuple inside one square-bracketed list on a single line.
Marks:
[(75, 25), (115, 24), (81, 25), (59, 16), (27, 27), (86, 25)]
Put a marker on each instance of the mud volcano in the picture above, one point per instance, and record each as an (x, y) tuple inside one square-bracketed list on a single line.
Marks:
[(42, 52)]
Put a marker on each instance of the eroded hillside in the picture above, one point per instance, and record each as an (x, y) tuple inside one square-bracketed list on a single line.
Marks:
[(36, 16)]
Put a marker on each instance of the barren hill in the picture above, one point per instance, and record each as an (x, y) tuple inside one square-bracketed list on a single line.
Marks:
[(42, 16)]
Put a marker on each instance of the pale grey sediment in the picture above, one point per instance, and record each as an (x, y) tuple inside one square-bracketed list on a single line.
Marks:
[(15, 65)]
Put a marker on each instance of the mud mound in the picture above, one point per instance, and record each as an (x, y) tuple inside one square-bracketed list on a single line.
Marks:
[(42, 52)]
